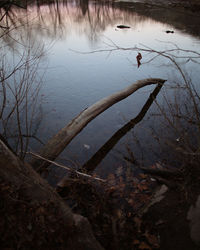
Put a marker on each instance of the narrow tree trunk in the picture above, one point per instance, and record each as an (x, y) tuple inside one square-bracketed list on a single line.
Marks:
[(33, 215), (58, 142)]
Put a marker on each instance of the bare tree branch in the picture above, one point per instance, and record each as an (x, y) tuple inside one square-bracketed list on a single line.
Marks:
[(58, 142), (67, 168)]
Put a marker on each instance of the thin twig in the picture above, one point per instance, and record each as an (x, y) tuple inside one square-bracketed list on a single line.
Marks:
[(67, 168)]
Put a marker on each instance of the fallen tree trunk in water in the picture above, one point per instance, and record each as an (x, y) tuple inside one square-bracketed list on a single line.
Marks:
[(95, 160), (33, 215), (58, 142)]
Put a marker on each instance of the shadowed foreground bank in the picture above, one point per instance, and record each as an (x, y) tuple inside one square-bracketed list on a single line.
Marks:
[(33, 216)]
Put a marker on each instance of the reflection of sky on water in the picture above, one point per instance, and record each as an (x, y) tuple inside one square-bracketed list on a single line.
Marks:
[(89, 77), (75, 80)]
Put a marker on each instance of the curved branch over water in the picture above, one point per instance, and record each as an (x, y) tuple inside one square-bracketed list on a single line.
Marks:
[(58, 142), (92, 163)]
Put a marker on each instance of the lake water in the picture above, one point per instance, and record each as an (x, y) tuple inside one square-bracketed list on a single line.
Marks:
[(78, 69)]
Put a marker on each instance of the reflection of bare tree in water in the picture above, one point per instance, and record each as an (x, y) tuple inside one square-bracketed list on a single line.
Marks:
[(20, 114), (51, 20), (56, 18), (84, 6)]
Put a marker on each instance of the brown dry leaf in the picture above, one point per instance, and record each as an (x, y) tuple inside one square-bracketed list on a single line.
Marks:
[(142, 187), (138, 58), (119, 213), (129, 214), (138, 223), (95, 175), (112, 189), (132, 195), (131, 202), (152, 239), (143, 176), (143, 245), (121, 180), (40, 210), (119, 171), (137, 206), (145, 187), (143, 198), (64, 182), (159, 222), (111, 179), (136, 242), (111, 176), (122, 186), (5, 187), (135, 180), (158, 165)]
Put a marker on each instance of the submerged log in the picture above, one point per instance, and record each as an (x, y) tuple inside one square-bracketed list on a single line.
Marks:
[(33, 215), (58, 142)]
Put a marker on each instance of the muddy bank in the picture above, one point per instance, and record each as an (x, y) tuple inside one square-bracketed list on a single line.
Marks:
[(182, 15)]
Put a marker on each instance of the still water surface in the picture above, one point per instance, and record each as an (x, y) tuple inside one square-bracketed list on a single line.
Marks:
[(74, 79)]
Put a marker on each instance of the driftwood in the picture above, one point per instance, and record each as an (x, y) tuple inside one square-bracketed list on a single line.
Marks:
[(58, 142), (92, 163), (164, 173), (33, 215)]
